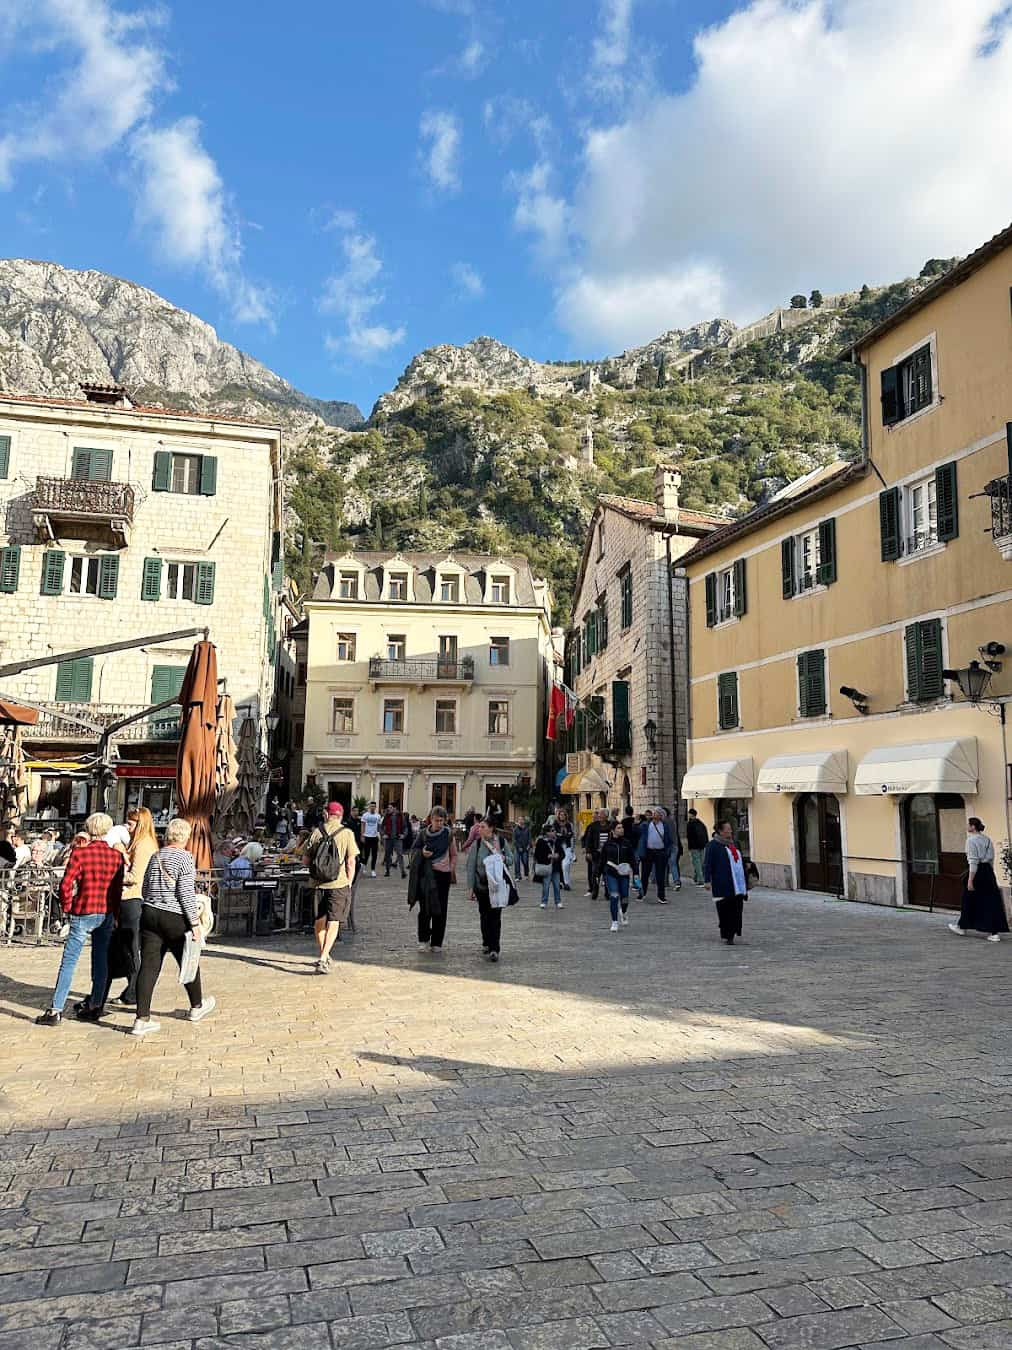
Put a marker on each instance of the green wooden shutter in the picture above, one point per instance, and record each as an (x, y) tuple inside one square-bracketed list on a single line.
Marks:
[(826, 573), (947, 501), (208, 475), (162, 479), (166, 682), (812, 683), (151, 579), (52, 571), (912, 643), (923, 643), (91, 465), (620, 738), (73, 680), (602, 623), (108, 576), (204, 591), (740, 599), (787, 568), (10, 568), (711, 599), (891, 400), (889, 523), (727, 700), (5, 456)]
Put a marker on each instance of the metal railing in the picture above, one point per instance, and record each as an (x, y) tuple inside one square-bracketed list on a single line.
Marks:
[(420, 671), (162, 726), (83, 497), (1000, 492)]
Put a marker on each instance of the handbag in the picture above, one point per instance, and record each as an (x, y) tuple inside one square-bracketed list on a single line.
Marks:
[(542, 870), (511, 886)]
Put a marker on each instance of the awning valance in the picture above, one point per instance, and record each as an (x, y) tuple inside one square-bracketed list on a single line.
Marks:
[(722, 778), (810, 771), (17, 713), (588, 780), (932, 766)]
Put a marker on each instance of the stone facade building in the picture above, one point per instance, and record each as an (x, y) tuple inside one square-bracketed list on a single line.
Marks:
[(124, 521), (626, 654), (426, 679)]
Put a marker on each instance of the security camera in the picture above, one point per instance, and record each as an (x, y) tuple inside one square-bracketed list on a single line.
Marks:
[(992, 649)]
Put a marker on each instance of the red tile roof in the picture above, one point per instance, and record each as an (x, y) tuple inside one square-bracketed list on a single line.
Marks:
[(641, 510), (150, 408)]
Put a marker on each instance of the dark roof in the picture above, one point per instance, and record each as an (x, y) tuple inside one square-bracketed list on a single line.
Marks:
[(774, 510), (689, 522), (954, 277), (424, 566)]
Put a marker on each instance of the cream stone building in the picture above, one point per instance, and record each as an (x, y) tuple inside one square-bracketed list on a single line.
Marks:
[(626, 653), (426, 679), (119, 522), (837, 631)]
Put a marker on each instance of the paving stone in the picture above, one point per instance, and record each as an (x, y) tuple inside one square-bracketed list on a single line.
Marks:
[(577, 1333), (831, 1330), (255, 1314), (714, 1314), (371, 1333), (315, 1337), (651, 1291), (985, 1304), (918, 1314), (177, 1323)]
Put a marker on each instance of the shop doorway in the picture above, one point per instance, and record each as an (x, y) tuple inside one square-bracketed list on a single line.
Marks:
[(735, 809), (820, 846), (340, 792), (391, 794), (935, 830), (445, 795), (500, 794)]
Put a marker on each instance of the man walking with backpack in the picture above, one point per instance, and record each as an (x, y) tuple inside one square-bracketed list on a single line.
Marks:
[(331, 850)]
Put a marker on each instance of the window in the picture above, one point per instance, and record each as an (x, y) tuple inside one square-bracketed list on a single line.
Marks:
[(577, 651), (398, 585), (445, 795), (91, 465), (97, 574), (600, 538), (500, 590), (446, 717), (809, 559), (725, 594), (589, 636), (343, 718), (393, 715), (727, 700), (621, 727), (920, 515), (190, 474), (301, 672), (346, 646), (907, 387), (298, 735), (499, 651), (396, 646), (5, 456), (447, 666), (347, 586), (186, 474), (812, 683), (923, 643), (498, 717), (10, 568), (602, 623), (626, 590), (73, 680), (180, 580), (449, 590)]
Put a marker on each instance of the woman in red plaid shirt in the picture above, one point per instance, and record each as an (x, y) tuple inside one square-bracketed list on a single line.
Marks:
[(90, 893)]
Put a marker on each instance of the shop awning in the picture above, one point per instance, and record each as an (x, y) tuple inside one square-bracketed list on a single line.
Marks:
[(587, 781), (17, 713), (932, 766), (722, 778), (810, 771)]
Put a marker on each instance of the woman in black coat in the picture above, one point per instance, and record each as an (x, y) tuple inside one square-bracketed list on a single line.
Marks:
[(724, 870)]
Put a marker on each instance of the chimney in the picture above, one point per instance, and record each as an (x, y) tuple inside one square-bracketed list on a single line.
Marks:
[(667, 481), (109, 395)]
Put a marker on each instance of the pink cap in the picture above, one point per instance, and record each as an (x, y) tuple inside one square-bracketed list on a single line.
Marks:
[(335, 809)]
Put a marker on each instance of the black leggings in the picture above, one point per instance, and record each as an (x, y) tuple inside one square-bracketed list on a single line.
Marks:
[(161, 932), (370, 852), (491, 923), (130, 918), (432, 928)]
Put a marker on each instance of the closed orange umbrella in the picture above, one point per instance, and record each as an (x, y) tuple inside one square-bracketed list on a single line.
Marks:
[(196, 762)]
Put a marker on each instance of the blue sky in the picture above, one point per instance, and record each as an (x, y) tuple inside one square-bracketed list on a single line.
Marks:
[(337, 186)]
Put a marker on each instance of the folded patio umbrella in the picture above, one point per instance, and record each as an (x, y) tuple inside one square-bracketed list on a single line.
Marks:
[(197, 758)]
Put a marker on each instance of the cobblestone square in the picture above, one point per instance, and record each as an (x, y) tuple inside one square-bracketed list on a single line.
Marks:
[(635, 1139)]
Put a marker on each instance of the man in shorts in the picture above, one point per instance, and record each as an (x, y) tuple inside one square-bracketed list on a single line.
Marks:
[(333, 898)]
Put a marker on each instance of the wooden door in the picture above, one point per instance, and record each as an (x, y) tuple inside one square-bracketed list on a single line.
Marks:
[(936, 860), (820, 849)]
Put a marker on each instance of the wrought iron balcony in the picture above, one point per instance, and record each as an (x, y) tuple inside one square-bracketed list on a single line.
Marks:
[(98, 502), (51, 726), (421, 672), (1000, 492), (610, 740)]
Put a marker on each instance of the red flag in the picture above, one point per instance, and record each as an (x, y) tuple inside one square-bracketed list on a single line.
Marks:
[(556, 708), (570, 710)]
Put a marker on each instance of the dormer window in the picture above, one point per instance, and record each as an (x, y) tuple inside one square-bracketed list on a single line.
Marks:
[(347, 586), (449, 590), (500, 590), (398, 583)]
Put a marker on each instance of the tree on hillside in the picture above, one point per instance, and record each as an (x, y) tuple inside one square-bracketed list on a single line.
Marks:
[(815, 300), (798, 302)]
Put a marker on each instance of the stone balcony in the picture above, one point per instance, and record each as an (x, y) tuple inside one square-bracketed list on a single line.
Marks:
[(91, 719), (58, 503), (421, 673)]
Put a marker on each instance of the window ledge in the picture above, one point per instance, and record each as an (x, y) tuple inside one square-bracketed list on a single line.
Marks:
[(936, 402), (920, 553), (818, 589), (816, 719), (729, 730), (727, 623)]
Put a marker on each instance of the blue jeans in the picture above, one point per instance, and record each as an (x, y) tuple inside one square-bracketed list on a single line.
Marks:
[(524, 861), (676, 878), (618, 891), (551, 880), (99, 928)]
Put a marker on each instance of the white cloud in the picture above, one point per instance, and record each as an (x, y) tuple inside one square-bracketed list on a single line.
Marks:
[(822, 143), (509, 116), (467, 280), (112, 75), (539, 211), (181, 197), (471, 61), (353, 293), (611, 46), (440, 132)]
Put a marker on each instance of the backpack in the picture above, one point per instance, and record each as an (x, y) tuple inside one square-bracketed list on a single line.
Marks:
[(326, 864)]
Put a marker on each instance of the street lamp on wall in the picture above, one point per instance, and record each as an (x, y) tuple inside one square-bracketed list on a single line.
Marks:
[(650, 732), (973, 680)]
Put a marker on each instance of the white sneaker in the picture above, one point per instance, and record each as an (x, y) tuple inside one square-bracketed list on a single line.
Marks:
[(144, 1028), (202, 1010), (994, 937), (561, 905), (372, 874), (587, 893), (624, 919), (614, 927), (544, 904), (424, 947), (955, 928)]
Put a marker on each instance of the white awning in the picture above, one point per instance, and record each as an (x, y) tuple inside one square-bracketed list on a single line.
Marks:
[(813, 771), (933, 766), (589, 780), (722, 778)]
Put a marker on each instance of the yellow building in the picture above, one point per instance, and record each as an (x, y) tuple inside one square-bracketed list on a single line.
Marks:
[(426, 679), (826, 626)]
